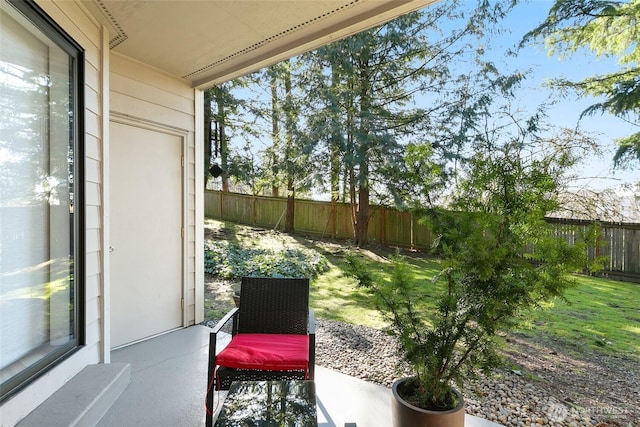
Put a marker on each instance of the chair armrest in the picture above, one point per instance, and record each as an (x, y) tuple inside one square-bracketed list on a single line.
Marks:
[(311, 327), (233, 312), (213, 335), (312, 344)]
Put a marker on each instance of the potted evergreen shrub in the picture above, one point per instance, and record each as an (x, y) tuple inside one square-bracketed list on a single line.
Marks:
[(499, 259)]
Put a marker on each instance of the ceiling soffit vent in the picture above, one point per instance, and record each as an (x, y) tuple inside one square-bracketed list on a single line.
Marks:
[(272, 38)]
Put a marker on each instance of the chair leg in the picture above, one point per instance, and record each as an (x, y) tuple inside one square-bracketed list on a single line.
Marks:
[(210, 380), (312, 356)]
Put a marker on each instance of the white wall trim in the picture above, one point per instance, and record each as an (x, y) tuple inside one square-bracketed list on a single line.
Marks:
[(128, 119), (105, 290), (185, 228), (199, 206)]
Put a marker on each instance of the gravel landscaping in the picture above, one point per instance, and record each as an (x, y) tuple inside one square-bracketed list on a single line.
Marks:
[(541, 392)]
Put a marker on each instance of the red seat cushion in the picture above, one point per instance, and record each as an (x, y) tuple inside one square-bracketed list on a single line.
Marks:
[(266, 352)]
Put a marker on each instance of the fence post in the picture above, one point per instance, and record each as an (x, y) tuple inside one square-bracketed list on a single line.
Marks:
[(333, 218), (383, 227), (220, 205), (411, 238), (253, 209), (596, 236)]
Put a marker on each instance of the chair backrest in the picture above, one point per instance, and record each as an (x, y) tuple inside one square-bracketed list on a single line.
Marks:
[(273, 305)]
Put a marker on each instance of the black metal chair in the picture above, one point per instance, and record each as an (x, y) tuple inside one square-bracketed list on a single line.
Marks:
[(271, 308)]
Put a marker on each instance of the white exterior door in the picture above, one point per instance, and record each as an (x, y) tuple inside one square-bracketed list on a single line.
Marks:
[(146, 223)]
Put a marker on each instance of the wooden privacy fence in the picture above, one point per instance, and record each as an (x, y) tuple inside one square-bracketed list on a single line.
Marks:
[(620, 243), (325, 219)]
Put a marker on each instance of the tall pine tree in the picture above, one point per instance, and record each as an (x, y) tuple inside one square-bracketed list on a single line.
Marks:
[(364, 88), (607, 29)]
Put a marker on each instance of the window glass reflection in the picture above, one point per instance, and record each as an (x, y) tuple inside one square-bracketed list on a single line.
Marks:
[(37, 309)]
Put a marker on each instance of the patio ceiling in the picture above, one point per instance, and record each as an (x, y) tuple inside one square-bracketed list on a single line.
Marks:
[(208, 42)]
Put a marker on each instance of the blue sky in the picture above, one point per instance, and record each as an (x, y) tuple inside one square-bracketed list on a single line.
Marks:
[(527, 16)]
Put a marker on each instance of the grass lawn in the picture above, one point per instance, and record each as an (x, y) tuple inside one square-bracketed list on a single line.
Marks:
[(601, 317), (335, 296)]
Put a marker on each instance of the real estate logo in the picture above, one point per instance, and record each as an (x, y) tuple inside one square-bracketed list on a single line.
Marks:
[(557, 412)]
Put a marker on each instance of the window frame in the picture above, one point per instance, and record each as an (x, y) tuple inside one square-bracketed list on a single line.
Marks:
[(36, 16)]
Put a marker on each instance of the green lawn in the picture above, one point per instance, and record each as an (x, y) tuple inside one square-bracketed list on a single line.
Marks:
[(335, 296), (601, 317)]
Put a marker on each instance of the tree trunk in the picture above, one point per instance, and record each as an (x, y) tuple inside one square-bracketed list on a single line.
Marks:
[(208, 95), (291, 204), (353, 202), (290, 166), (350, 176), (275, 190), (334, 148), (224, 151), (362, 216)]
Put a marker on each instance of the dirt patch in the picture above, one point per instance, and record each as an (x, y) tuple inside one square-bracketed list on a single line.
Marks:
[(604, 386), (218, 296)]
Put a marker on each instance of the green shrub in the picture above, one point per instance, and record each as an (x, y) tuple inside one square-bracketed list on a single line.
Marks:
[(230, 260)]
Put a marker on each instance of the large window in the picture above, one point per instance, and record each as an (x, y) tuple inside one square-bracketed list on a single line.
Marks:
[(41, 251)]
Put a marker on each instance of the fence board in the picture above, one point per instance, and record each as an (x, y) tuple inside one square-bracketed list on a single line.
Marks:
[(312, 217), (422, 236), (375, 230), (344, 225), (269, 212)]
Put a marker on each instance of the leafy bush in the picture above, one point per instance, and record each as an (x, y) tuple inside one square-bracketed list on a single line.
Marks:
[(486, 285), (230, 260)]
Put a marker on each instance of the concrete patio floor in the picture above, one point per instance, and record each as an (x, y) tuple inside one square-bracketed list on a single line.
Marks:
[(168, 384)]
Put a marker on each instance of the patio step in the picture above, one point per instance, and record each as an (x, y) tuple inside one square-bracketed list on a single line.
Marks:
[(84, 399)]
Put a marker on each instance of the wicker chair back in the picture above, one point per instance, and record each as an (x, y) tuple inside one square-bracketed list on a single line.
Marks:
[(274, 305)]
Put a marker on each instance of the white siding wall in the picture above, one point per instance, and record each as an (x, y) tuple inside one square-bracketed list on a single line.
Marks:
[(126, 87), (77, 22), (145, 94)]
